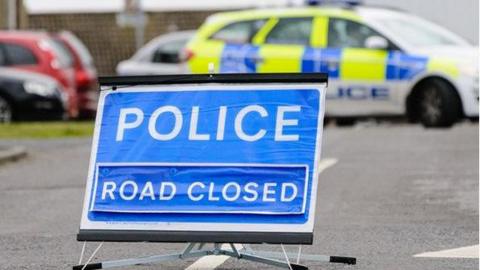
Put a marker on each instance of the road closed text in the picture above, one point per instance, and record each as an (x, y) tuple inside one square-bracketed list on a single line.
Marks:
[(214, 189)]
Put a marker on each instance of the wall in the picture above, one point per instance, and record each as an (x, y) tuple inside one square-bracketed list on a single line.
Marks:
[(109, 43), (21, 18), (3, 14)]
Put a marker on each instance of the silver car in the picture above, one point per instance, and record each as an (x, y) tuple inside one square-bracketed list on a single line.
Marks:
[(159, 56)]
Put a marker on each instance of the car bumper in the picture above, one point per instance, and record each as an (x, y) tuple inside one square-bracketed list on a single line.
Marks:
[(468, 90), (40, 108), (87, 103)]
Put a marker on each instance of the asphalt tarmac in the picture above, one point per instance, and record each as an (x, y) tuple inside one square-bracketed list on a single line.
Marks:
[(395, 191)]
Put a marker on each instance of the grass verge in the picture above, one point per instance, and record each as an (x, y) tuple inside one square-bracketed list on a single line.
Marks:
[(46, 130)]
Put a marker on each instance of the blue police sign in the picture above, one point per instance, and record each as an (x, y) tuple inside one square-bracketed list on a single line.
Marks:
[(205, 158)]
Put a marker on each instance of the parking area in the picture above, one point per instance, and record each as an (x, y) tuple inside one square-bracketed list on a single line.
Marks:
[(388, 192), (207, 117)]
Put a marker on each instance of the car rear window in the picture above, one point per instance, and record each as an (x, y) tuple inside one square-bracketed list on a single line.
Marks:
[(80, 48), (18, 55), (239, 32), (64, 56)]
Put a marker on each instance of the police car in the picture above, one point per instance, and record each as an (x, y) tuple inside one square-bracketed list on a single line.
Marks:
[(379, 61)]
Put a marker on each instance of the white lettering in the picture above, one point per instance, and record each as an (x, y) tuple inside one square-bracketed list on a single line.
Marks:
[(210, 193), (281, 122), (268, 191), (122, 121), (236, 193), (250, 191), (222, 115), (147, 191), (250, 133), (163, 186), (108, 187), (238, 123), (190, 191), (192, 134), (128, 196), (176, 128), (294, 188)]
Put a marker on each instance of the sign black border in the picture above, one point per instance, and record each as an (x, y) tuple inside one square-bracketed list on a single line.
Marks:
[(195, 236), (305, 238), (215, 78)]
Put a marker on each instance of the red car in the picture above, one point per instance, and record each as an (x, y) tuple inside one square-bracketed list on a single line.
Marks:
[(85, 73), (39, 52)]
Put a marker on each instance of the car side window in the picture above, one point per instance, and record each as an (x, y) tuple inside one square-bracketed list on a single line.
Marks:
[(238, 32), (19, 55), (291, 31), (168, 52), (346, 33)]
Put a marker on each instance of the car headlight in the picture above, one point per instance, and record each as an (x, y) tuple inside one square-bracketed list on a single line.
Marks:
[(40, 89), (64, 98)]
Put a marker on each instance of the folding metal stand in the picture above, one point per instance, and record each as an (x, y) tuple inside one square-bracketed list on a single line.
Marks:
[(190, 251)]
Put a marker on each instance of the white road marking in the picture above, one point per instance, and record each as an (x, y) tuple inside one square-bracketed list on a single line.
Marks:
[(213, 261), (325, 163), (462, 252)]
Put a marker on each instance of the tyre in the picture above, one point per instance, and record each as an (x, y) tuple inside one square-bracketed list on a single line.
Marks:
[(6, 113), (345, 121), (438, 104)]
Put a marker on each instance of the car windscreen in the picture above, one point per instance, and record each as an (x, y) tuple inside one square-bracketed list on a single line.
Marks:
[(238, 32), (169, 52), (420, 33), (16, 55)]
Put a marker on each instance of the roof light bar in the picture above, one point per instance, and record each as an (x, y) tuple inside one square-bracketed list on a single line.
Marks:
[(350, 3)]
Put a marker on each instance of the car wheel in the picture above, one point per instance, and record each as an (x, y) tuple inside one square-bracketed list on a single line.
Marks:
[(5, 111), (438, 104), (345, 121)]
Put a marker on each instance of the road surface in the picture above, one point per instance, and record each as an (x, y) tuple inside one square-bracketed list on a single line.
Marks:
[(392, 192)]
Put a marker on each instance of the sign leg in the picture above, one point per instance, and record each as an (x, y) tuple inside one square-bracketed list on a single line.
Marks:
[(83, 252), (269, 258), (87, 265), (311, 257), (186, 253), (286, 256), (299, 253)]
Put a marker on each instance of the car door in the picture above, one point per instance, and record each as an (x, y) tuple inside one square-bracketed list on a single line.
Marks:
[(283, 43), (238, 55), (357, 82)]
